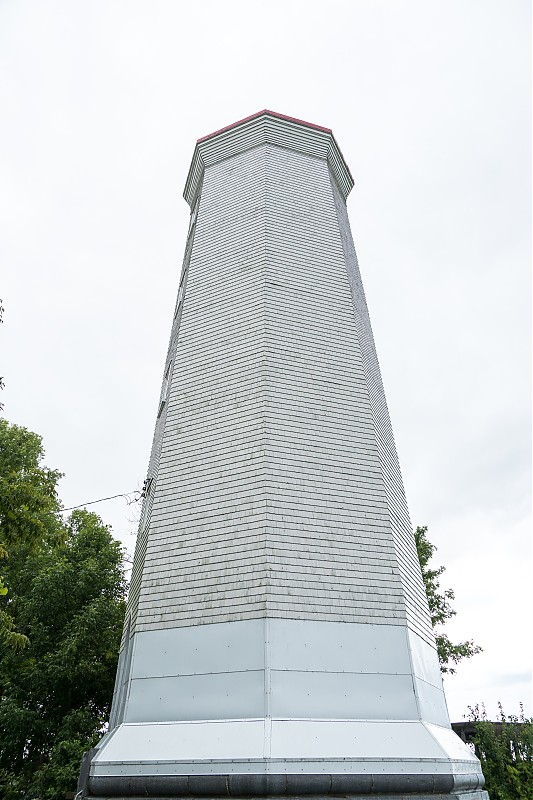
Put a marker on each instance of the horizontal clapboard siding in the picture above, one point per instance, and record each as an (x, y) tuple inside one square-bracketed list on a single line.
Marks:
[(206, 556), (276, 483), (313, 356), (405, 549)]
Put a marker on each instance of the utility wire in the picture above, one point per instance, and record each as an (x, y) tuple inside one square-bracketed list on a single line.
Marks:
[(101, 500)]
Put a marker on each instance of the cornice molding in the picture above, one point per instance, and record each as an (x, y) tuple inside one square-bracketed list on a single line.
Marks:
[(267, 127)]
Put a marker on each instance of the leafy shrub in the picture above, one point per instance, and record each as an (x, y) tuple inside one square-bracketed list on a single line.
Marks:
[(505, 749)]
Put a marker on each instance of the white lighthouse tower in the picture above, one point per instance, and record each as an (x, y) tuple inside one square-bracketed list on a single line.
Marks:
[(277, 638)]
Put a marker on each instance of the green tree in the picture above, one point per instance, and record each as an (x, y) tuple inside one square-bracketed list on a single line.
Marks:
[(29, 508), (505, 749), (440, 608), (1, 377), (68, 598)]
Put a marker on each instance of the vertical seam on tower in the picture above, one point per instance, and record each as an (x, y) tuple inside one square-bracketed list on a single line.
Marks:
[(264, 382), (267, 724)]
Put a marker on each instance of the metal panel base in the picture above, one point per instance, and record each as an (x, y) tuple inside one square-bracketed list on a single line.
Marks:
[(481, 795), (251, 786), (281, 758), (277, 786)]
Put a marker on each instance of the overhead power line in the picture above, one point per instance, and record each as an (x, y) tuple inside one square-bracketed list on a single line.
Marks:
[(112, 497)]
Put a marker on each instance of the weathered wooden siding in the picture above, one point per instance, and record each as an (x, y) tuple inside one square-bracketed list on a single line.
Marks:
[(276, 487)]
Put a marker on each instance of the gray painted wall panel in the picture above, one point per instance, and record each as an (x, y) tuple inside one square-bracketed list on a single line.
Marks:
[(281, 667), (231, 695), (326, 695), (432, 703), (337, 647)]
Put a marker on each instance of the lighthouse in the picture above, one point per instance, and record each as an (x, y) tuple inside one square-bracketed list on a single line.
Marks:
[(277, 639)]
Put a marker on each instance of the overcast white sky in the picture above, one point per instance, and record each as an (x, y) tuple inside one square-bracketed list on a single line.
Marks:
[(101, 103)]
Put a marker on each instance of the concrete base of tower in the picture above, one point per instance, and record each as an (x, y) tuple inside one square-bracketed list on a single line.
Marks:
[(282, 758)]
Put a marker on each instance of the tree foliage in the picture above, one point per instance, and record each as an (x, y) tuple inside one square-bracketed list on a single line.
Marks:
[(505, 750), (1, 377), (29, 507), (62, 603), (68, 599), (440, 607)]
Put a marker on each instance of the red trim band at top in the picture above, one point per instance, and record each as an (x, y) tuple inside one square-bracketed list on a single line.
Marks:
[(260, 114)]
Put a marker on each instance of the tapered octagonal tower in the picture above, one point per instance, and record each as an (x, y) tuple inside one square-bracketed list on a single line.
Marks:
[(277, 639)]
